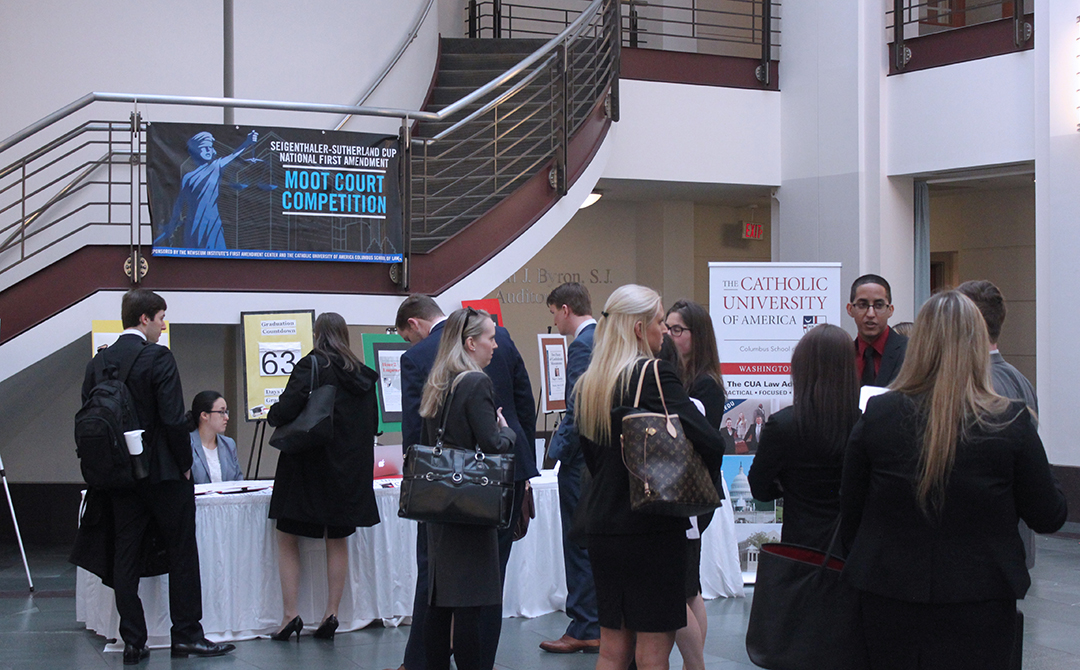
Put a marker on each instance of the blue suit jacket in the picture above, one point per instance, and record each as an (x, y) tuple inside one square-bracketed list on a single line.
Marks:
[(565, 443), (513, 392), (226, 449)]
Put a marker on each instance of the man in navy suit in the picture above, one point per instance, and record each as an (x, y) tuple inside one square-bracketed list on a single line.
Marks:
[(420, 321), (167, 496), (571, 309), (879, 351)]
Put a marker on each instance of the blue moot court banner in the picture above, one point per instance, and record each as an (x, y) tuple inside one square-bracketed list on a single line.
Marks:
[(274, 193)]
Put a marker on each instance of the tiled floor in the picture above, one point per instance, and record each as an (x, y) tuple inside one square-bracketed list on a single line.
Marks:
[(39, 631)]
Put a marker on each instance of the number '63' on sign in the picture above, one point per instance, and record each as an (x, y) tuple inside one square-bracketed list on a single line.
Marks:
[(277, 359)]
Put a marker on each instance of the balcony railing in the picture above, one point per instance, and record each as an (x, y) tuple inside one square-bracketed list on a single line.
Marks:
[(909, 20), (739, 28)]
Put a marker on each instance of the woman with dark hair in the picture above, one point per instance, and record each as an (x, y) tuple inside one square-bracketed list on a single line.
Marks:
[(801, 454), (325, 492), (936, 475), (463, 560), (213, 456), (638, 559), (691, 331)]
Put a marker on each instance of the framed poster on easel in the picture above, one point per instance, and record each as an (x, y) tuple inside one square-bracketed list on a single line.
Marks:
[(552, 372), (273, 343), (382, 353)]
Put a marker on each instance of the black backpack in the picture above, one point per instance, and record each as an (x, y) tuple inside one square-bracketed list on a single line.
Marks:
[(107, 414)]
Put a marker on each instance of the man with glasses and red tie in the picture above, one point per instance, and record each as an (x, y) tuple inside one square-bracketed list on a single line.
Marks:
[(879, 351)]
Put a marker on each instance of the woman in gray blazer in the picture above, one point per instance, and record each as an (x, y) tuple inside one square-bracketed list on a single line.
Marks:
[(463, 560), (213, 456)]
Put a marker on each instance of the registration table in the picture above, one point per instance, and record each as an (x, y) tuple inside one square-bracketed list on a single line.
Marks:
[(242, 593)]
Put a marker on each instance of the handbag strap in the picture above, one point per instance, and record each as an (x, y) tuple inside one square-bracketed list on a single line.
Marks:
[(314, 384), (640, 381), (446, 415)]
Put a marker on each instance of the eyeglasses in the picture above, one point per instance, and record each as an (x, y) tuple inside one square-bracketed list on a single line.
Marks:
[(677, 331), (223, 412), (862, 305)]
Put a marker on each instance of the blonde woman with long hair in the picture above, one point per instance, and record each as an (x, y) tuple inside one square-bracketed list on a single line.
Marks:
[(463, 561), (935, 475), (638, 560)]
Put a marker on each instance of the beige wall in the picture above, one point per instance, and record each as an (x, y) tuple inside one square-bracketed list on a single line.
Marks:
[(992, 233)]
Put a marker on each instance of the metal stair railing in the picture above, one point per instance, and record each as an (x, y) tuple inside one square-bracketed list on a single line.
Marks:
[(465, 169), (87, 176)]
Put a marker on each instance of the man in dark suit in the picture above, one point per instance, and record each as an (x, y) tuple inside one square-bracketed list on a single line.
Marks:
[(166, 497), (1008, 381), (753, 433), (571, 309), (879, 351), (420, 322)]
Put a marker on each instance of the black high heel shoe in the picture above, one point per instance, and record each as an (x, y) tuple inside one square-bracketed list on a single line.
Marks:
[(294, 626), (327, 628)]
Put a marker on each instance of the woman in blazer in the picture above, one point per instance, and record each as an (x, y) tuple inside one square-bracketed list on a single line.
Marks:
[(691, 331), (638, 559), (213, 456), (325, 492), (801, 454), (936, 474), (463, 560)]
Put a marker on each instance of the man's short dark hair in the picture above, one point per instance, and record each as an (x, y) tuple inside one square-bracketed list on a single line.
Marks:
[(417, 306), (990, 302), (139, 301), (573, 295), (872, 279)]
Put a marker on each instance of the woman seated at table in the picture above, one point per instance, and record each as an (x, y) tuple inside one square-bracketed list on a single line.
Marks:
[(213, 454)]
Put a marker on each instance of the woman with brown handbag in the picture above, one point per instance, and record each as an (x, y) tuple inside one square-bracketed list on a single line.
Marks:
[(638, 559)]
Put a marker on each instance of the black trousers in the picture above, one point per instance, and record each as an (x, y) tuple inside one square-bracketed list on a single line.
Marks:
[(171, 505), (490, 616), (954, 636)]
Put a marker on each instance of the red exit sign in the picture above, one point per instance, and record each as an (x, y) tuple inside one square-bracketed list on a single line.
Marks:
[(753, 231)]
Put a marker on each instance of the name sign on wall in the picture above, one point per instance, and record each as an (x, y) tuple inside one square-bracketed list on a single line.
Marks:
[(274, 193), (760, 311), (273, 343)]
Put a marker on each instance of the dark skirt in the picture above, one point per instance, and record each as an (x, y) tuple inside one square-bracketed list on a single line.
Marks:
[(946, 636), (640, 581), (693, 568), (314, 530)]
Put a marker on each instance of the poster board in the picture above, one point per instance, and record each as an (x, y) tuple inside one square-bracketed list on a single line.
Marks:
[(271, 193), (273, 343), (760, 311), (552, 350), (382, 353), (103, 332), (490, 305)]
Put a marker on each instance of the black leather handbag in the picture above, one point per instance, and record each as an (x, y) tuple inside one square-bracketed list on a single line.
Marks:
[(314, 426), (444, 484), (803, 616), (666, 475)]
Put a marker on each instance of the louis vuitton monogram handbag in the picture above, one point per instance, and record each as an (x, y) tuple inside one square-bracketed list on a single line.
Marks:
[(666, 475)]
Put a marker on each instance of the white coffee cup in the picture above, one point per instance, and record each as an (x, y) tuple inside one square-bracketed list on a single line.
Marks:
[(134, 441)]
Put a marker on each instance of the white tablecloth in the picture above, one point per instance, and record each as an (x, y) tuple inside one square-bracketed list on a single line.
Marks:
[(242, 594)]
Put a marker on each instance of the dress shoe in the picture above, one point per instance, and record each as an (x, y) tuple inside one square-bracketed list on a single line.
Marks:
[(327, 628), (203, 647), (294, 626), (568, 645), (133, 654)]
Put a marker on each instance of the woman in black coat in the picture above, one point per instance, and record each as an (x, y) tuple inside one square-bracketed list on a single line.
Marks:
[(638, 559), (325, 492), (936, 474), (801, 454), (463, 560)]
